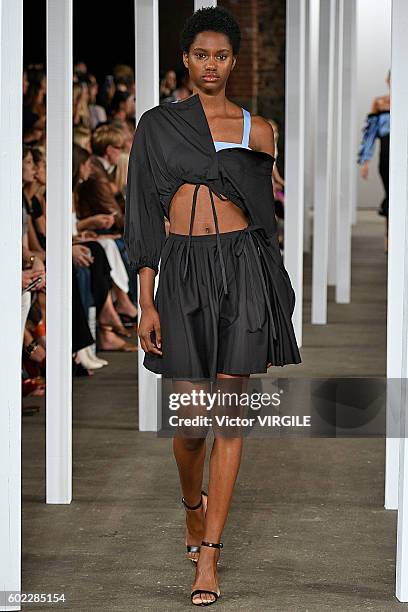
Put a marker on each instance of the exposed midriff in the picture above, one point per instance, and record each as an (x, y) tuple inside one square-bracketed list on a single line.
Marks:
[(230, 216)]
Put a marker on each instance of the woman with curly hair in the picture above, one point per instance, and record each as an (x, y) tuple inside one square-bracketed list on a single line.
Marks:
[(223, 306)]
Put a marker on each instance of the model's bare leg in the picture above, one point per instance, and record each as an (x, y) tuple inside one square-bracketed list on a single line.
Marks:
[(189, 453), (224, 466)]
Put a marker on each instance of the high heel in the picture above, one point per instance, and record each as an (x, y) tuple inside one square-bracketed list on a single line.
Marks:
[(191, 548), (201, 591)]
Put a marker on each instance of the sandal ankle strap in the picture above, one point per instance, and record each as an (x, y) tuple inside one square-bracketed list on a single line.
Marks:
[(212, 544), (200, 503)]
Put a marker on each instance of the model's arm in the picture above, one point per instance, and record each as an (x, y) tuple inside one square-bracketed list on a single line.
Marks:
[(144, 234), (262, 137)]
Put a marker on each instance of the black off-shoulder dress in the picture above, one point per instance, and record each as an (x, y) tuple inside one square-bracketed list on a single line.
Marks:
[(225, 300)]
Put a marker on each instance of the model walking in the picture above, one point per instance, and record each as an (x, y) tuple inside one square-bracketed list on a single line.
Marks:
[(224, 302)]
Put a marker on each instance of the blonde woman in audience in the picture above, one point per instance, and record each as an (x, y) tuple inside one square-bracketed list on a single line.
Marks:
[(80, 110), (82, 137)]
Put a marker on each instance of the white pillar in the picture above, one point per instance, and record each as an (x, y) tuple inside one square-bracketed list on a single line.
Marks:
[(147, 96), (310, 70), (203, 3), (11, 62), (356, 134), (294, 153), (323, 135), (332, 263), (397, 347), (346, 149), (397, 247), (59, 252)]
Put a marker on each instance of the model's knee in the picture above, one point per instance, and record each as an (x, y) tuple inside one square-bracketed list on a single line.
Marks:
[(191, 444)]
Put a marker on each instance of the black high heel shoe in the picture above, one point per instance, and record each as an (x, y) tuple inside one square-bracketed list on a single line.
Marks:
[(191, 548), (200, 591)]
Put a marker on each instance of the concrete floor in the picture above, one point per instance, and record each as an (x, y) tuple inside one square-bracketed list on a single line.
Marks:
[(307, 529)]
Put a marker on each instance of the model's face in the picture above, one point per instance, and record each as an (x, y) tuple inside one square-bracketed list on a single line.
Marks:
[(210, 61)]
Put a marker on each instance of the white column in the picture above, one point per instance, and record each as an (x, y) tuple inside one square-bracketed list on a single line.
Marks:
[(353, 126), (308, 126), (294, 153), (397, 247), (203, 3), (346, 149), (397, 347), (11, 54), (147, 96), (59, 252), (323, 135), (334, 202)]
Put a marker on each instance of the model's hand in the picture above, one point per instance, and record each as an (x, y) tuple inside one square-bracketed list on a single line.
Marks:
[(364, 170), (149, 331)]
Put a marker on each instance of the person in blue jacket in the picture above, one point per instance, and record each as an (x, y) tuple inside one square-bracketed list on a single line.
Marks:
[(378, 126)]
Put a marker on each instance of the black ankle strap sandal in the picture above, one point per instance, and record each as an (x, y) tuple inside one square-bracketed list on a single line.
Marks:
[(216, 594), (191, 548), (200, 503)]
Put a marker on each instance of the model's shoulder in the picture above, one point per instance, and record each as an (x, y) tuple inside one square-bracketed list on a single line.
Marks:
[(150, 114), (262, 136), (261, 126)]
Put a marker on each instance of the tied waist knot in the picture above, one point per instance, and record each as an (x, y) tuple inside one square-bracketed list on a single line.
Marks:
[(258, 241), (211, 191)]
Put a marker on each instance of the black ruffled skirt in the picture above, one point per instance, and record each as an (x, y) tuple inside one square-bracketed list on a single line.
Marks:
[(232, 323)]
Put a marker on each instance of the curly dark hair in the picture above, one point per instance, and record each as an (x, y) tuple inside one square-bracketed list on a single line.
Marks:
[(214, 19)]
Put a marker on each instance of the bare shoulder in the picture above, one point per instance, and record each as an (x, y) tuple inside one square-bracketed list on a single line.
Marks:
[(262, 137)]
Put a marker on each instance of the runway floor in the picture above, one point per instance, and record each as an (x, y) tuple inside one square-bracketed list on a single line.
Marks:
[(307, 529)]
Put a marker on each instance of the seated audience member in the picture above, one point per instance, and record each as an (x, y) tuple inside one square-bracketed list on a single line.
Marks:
[(82, 137), (32, 207), (122, 106), (34, 90), (100, 194), (34, 198), (80, 69), (168, 85), (96, 112), (85, 228), (80, 110)]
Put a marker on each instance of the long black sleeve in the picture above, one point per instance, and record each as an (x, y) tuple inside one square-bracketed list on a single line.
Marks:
[(144, 231)]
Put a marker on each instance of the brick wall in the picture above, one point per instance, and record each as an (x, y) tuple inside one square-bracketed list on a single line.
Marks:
[(258, 80), (242, 85)]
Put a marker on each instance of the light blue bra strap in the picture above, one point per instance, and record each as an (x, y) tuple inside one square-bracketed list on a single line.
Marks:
[(247, 128)]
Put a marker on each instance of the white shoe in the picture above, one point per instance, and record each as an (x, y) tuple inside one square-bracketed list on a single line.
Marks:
[(86, 362), (94, 358)]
